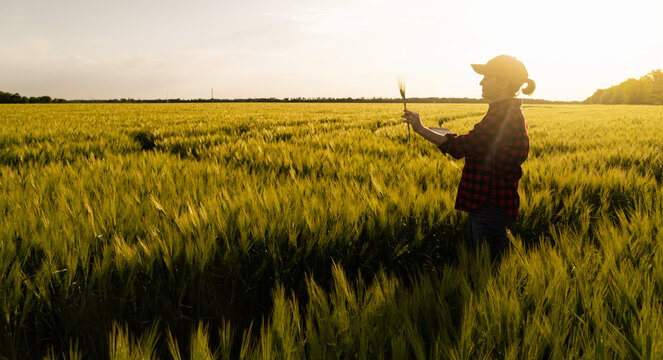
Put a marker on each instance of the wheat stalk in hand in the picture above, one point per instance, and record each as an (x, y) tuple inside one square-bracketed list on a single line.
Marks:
[(401, 88)]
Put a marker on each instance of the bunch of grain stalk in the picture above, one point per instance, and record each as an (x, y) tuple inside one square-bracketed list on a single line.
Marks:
[(401, 89)]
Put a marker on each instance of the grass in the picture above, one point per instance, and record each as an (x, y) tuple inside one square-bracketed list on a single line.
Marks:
[(308, 231)]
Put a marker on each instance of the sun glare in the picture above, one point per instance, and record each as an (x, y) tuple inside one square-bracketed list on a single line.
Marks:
[(561, 43)]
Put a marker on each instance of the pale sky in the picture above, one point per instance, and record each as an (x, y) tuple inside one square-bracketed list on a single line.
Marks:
[(147, 49)]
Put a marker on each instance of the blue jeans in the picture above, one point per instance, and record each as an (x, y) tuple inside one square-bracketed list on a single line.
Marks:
[(490, 224)]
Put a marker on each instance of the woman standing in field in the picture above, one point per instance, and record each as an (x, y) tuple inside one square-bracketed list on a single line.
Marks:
[(493, 150)]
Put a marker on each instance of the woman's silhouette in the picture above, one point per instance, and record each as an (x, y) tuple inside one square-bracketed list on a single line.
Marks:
[(493, 150)]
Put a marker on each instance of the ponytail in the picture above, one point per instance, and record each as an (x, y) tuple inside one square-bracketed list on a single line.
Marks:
[(531, 85)]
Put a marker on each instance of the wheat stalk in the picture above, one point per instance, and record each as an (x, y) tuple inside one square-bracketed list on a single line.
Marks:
[(401, 89)]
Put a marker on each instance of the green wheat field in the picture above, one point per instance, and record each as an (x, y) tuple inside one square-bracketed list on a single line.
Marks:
[(291, 231)]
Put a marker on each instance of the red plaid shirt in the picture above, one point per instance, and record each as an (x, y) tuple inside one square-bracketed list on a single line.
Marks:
[(493, 152)]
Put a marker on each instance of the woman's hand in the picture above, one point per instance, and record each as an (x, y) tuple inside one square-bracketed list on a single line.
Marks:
[(413, 119)]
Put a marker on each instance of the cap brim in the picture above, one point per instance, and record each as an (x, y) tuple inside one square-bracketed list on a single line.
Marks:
[(479, 68)]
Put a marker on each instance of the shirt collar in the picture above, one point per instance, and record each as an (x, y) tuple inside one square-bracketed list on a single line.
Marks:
[(506, 103)]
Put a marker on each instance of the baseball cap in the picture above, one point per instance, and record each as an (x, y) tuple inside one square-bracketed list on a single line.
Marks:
[(504, 66)]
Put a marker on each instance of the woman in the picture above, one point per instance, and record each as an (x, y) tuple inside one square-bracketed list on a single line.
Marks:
[(493, 150)]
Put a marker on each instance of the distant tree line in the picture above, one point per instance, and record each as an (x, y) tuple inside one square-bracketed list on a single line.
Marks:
[(430, 100), (16, 98), (9, 98), (646, 90)]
